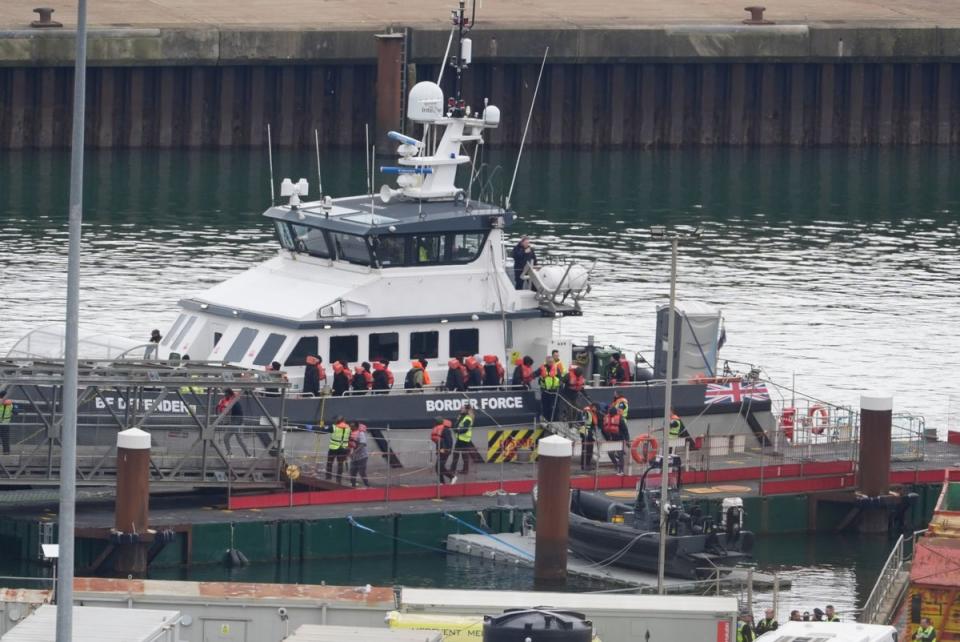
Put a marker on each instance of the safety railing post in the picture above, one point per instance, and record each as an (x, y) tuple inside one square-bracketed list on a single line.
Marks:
[(386, 492)]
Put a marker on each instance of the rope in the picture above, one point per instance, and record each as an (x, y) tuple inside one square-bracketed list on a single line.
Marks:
[(493, 537), (367, 529)]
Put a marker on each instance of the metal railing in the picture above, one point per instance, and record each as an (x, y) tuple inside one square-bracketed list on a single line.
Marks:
[(890, 586)]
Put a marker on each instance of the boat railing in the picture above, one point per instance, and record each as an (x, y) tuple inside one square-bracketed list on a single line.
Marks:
[(890, 585)]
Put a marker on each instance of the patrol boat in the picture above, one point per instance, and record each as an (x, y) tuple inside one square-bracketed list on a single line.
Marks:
[(608, 532), (418, 270)]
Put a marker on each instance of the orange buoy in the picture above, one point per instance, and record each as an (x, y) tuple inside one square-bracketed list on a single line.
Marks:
[(644, 449), (820, 417)]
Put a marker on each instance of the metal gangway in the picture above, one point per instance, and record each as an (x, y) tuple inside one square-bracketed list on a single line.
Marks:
[(196, 440)]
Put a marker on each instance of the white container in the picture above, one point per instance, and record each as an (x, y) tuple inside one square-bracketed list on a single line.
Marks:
[(617, 618)]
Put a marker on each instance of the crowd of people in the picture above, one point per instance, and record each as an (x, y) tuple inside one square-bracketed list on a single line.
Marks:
[(749, 629)]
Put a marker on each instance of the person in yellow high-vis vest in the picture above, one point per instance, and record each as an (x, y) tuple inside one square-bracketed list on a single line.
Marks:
[(463, 443), (6, 416), (339, 447)]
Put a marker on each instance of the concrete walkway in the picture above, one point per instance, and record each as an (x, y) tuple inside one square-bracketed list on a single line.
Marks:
[(553, 14)]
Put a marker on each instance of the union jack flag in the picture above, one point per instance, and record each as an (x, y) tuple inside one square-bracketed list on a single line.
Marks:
[(735, 392)]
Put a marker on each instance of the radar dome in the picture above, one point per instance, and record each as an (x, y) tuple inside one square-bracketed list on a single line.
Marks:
[(425, 103)]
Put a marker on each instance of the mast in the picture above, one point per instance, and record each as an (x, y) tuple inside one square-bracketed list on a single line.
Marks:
[(462, 60)]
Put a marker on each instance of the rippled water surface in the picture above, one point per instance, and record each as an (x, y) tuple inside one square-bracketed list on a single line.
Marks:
[(840, 266)]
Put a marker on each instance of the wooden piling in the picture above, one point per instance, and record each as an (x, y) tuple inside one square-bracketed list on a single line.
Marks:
[(132, 512), (553, 511)]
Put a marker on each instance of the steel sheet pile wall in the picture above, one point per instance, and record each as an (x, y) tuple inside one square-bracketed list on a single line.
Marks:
[(189, 107), (590, 104)]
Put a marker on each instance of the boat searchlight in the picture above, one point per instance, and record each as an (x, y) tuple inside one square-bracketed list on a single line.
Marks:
[(294, 190)]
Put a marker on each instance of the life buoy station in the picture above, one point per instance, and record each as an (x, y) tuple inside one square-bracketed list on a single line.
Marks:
[(383, 428)]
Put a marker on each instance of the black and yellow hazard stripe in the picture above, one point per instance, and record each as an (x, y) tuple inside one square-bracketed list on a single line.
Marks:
[(502, 445)]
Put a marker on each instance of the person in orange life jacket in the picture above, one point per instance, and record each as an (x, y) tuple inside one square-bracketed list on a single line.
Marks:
[(414, 378), (549, 385), (442, 437), (474, 372), (588, 435), (275, 367), (362, 379), (426, 373), (523, 373), (615, 429), (463, 448), (230, 403), (522, 254), (492, 370), (382, 377), (358, 453), (572, 386), (455, 378), (314, 376), (615, 371), (341, 378), (339, 446)]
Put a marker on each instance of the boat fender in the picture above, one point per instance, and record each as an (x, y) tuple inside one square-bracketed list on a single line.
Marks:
[(820, 418), (644, 448)]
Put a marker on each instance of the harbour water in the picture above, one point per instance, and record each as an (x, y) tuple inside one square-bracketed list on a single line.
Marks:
[(838, 266)]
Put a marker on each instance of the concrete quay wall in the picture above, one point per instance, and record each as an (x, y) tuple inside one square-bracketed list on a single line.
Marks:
[(630, 86)]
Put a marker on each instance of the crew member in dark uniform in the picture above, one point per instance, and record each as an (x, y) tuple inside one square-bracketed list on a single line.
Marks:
[(522, 254)]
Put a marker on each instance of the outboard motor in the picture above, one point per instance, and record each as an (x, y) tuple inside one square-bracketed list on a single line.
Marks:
[(731, 518), (537, 625)]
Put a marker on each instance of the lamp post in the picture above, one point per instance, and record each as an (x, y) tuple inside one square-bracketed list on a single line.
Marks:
[(68, 434), (660, 232)]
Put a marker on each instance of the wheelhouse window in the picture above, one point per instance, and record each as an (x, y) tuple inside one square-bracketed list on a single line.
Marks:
[(269, 349), (285, 236), (343, 348), (351, 248), (298, 356), (428, 248), (183, 332), (309, 240), (391, 250), (173, 330), (463, 248), (384, 346), (464, 343), (424, 345), (240, 345)]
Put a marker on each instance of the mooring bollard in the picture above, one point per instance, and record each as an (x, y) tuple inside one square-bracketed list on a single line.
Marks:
[(553, 511), (876, 423), (132, 512)]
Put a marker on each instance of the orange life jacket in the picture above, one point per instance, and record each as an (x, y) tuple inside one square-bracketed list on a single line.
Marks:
[(575, 381), (611, 424), (437, 433)]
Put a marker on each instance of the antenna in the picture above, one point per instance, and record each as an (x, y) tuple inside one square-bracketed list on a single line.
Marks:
[(526, 128), (464, 56), (366, 129), (316, 140), (273, 200), (446, 55)]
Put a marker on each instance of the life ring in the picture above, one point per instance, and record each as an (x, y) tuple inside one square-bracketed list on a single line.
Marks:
[(644, 449), (820, 418)]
